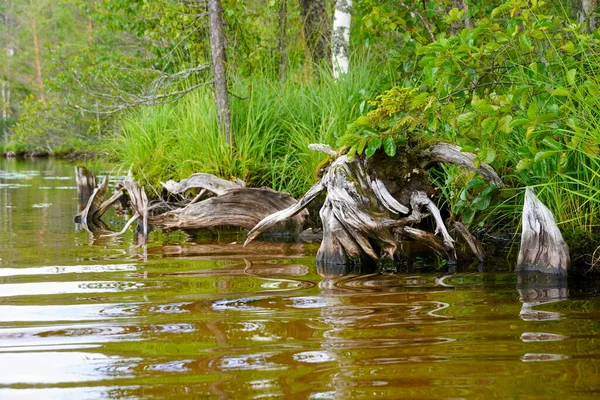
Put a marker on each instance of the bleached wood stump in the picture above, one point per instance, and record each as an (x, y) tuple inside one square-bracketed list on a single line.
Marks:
[(373, 203), (543, 248)]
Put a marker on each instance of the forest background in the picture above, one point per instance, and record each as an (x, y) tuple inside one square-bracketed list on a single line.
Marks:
[(515, 82)]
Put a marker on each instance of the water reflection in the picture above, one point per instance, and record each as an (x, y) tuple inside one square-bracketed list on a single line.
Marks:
[(536, 289)]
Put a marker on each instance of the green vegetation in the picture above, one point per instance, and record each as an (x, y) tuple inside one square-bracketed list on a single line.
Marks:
[(272, 123), (514, 81)]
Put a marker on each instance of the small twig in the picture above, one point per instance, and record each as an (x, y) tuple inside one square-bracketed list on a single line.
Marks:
[(476, 86), (418, 14)]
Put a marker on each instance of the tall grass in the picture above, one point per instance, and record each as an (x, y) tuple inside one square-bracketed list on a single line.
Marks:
[(272, 125)]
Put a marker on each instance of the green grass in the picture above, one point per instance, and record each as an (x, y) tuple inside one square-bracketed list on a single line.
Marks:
[(18, 148), (272, 125)]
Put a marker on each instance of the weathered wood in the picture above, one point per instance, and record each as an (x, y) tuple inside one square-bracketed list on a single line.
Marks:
[(139, 202), (543, 248), (95, 201), (367, 202), (202, 181), (451, 153), (279, 216), (471, 241), (86, 183), (428, 239), (241, 207)]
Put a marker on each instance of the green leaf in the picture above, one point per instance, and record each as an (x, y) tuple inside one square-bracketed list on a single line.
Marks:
[(504, 124), (562, 92), (351, 153), (525, 163), (481, 202), (458, 206), (486, 155), (464, 118), (372, 147), (571, 76), (518, 122), (389, 146), (532, 111), (569, 47), (475, 182), (468, 215), (489, 124), (361, 145), (488, 191), (542, 155), (525, 41), (553, 144), (482, 106)]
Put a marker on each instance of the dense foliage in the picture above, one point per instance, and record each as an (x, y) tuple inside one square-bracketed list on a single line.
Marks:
[(513, 81)]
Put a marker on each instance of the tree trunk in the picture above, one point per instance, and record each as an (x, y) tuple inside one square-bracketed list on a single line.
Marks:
[(340, 39), (282, 41), (38, 61), (316, 29), (217, 49), (5, 107), (586, 15)]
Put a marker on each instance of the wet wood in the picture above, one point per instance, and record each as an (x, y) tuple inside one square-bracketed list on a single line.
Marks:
[(543, 248), (471, 241), (86, 184), (89, 216), (241, 207)]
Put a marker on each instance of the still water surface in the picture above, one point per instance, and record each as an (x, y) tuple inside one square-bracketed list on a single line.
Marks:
[(83, 317)]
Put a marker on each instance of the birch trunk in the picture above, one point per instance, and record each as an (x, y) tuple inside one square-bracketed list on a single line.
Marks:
[(340, 39), (217, 50)]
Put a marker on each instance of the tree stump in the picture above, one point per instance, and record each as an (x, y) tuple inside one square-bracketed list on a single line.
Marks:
[(373, 203), (543, 248)]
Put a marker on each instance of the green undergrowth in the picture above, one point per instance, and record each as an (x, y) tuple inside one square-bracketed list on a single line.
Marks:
[(17, 148), (520, 91), (272, 125)]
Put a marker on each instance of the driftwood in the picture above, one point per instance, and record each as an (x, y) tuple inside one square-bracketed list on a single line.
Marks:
[(232, 206), (471, 241), (543, 248), (241, 207), (366, 198), (86, 183), (208, 182)]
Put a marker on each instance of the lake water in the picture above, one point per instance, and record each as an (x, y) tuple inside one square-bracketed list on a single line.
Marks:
[(83, 317)]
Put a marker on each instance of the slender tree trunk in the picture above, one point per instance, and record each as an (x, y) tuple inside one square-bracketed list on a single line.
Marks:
[(283, 56), (340, 39), (586, 14), (217, 49), (4, 110), (90, 28), (316, 29), (38, 62)]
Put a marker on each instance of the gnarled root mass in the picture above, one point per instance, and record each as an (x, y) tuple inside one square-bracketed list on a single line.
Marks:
[(374, 203)]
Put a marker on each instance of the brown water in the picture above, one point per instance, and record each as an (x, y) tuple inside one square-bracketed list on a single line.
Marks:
[(83, 317)]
